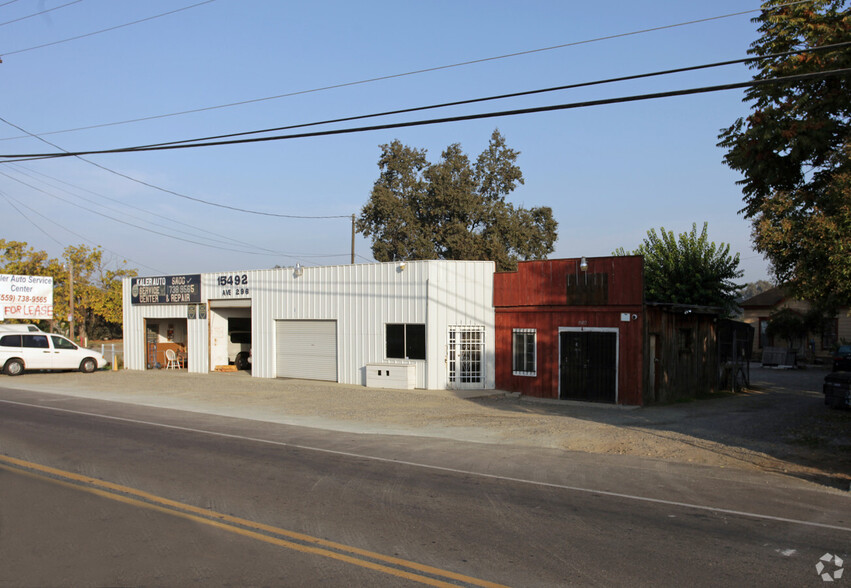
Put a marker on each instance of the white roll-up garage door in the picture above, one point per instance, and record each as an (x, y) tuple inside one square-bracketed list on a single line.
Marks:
[(307, 349)]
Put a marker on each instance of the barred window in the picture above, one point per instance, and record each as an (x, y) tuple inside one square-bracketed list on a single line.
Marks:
[(524, 352)]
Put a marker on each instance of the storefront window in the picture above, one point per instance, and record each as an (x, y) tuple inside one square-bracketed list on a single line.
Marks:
[(405, 341)]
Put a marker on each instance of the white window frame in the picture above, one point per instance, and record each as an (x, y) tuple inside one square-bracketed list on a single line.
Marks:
[(534, 333)]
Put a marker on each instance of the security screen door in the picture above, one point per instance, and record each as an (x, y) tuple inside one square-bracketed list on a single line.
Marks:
[(588, 366), (466, 357)]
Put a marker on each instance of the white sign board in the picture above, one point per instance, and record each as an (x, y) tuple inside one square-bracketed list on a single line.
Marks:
[(26, 297)]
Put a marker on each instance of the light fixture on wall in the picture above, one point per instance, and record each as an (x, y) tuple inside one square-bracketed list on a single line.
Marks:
[(583, 264), (402, 266), (299, 271)]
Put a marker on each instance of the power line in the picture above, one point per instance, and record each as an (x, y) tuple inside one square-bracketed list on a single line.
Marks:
[(410, 73), (511, 95), (10, 199), (133, 225), (170, 236), (113, 28), (32, 222), (3, 24), (222, 238), (166, 190), (425, 122)]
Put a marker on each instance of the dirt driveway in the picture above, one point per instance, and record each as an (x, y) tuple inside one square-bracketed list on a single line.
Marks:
[(780, 425)]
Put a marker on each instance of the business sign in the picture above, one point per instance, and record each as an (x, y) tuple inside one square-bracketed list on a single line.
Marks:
[(166, 290), (26, 297)]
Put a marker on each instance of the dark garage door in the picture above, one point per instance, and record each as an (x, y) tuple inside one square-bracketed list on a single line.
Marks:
[(588, 366)]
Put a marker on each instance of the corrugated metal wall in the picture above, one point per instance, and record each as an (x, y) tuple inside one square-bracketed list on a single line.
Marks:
[(459, 294), (362, 299), (536, 297), (197, 346)]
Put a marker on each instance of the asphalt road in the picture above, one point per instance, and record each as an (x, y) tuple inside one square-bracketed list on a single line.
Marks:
[(99, 493)]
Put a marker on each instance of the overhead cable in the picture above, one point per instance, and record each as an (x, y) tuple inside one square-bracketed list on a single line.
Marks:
[(124, 222), (113, 28), (65, 228), (31, 173), (32, 222), (166, 190), (444, 120), (8, 22), (222, 239), (411, 73), (265, 252), (510, 95)]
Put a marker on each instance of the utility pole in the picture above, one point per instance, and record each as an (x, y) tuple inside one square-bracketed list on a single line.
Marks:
[(353, 239), (71, 315)]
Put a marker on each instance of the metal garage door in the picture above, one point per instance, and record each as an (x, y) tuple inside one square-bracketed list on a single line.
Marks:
[(307, 349)]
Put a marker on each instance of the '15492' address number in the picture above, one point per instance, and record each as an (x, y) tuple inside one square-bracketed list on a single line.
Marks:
[(233, 284)]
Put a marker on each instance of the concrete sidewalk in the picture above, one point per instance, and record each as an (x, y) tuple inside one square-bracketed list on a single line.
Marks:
[(774, 428)]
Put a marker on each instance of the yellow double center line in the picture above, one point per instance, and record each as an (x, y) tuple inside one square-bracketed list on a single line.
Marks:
[(276, 536)]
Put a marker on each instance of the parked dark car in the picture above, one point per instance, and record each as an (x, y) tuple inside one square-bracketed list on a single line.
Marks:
[(837, 389), (842, 359)]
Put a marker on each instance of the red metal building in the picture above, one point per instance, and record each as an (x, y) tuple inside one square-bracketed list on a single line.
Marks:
[(579, 329), (572, 329)]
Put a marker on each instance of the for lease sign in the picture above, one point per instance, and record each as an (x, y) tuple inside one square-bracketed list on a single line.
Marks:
[(26, 297)]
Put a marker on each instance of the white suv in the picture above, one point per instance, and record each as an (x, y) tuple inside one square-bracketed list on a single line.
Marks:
[(239, 349), (45, 351)]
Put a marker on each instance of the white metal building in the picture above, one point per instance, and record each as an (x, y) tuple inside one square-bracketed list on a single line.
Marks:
[(429, 322)]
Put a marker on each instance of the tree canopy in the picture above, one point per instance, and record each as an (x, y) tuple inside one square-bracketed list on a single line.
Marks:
[(453, 209), (688, 269), (751, 289), (97, 289), (794, 149)]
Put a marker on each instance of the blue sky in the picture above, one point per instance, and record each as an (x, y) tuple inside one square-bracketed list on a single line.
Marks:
[(610, 173)]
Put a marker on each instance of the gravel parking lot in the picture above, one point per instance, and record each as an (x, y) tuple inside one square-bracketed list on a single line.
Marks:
[(780, 425)]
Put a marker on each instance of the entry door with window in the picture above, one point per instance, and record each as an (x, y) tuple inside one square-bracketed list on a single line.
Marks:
[(588, 366), (466, 357)]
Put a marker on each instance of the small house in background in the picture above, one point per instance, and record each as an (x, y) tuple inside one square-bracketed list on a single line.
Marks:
[(579, 329), (757, 312)]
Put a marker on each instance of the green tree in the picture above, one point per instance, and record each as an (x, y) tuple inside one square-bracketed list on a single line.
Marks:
[(453, 209), (20, 259), (794, 149), (97, 289), (688, 269), (97, 292), (751, 289)]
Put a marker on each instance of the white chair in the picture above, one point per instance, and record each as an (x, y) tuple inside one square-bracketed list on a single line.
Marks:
[(172, 360)]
